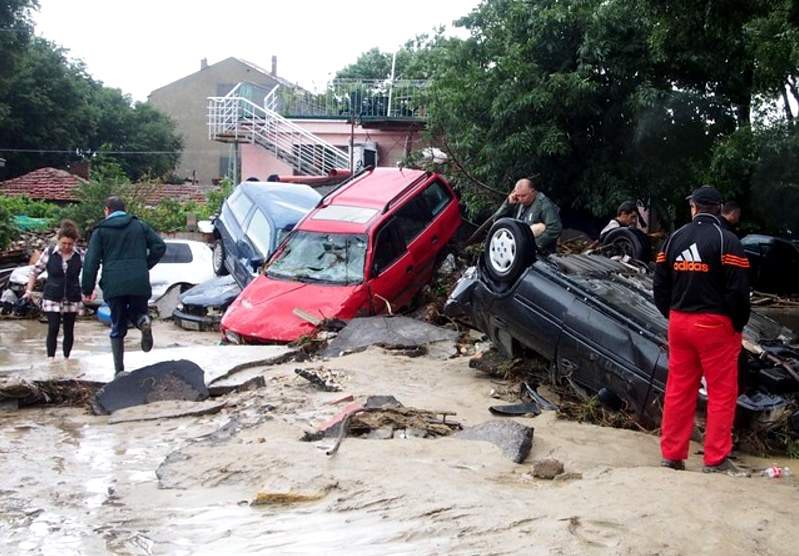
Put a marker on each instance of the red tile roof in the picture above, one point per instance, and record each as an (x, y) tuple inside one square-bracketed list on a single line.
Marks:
[(182, 193), (49, 184)]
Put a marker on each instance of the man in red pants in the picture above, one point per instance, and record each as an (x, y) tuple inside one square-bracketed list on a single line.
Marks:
[(701, 285)]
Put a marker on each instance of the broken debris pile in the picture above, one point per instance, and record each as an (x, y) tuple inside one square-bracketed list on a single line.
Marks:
[(384, 417), (19, 392), (323, 378)]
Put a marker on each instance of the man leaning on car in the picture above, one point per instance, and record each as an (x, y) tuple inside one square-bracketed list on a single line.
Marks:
[(531, 206), (701, 286)]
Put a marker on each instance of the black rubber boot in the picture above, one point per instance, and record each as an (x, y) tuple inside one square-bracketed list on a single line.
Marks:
[(118, 350), (676, 464), (146, 326)]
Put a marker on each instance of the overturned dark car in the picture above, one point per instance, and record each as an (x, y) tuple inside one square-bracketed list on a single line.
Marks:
[(595, 320)]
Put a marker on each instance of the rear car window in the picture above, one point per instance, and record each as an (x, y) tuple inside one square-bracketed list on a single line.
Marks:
[(240, 205), (177, 253), (419, 212), (436, 197), (413, 217), (343, 213)]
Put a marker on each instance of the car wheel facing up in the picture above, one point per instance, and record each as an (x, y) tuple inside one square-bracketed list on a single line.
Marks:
[(627, 241), (218, 259), (510, 249)]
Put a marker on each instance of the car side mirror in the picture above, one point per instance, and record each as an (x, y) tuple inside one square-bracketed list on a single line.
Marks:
[(257, 262), (244, 249)]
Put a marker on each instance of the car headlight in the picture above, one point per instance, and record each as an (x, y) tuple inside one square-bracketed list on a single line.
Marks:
[(232, 337), (179, 307)]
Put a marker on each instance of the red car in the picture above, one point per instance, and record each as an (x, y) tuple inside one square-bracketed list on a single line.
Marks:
[(372, 243)]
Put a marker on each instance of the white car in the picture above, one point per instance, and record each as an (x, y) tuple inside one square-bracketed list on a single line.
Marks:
[(185, 264)]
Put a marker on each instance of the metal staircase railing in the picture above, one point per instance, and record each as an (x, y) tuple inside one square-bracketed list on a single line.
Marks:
[(235, 117)]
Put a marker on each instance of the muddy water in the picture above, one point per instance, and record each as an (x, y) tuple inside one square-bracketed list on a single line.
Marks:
[(74, 485), (22, 340)]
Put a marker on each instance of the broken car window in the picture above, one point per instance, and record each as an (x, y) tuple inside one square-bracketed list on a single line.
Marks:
[(321, 257)]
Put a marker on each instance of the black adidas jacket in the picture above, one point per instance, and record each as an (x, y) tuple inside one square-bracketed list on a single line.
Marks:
[(703, 269)]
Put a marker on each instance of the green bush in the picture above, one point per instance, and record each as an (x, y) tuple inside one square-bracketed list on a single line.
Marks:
[(107, 179), (8, 232), (215, 199), (168, 216), (16, 206)]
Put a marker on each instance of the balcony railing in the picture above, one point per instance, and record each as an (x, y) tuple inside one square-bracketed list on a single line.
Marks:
[(363, 99)]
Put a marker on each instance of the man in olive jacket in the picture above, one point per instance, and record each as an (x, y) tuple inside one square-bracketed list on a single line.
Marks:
[(534, 208), (127, 249)]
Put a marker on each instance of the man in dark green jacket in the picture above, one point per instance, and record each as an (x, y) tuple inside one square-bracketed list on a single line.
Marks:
[(127, 249), (534, 208)]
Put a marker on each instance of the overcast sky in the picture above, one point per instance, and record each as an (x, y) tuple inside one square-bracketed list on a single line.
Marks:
[(138, 46)]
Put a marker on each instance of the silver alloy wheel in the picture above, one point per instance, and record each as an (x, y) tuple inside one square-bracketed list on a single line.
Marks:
[(218, 257), (502, 250)]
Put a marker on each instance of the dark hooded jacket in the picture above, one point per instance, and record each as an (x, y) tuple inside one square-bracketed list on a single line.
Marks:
[(127, 249)]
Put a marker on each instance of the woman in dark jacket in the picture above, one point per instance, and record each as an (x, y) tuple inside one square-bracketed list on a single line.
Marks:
[(62, 296)]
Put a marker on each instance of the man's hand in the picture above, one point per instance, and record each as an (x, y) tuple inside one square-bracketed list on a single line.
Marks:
[(513, 199), (89, 298)]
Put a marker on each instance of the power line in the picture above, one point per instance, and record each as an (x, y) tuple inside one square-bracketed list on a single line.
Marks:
[(91, 153)]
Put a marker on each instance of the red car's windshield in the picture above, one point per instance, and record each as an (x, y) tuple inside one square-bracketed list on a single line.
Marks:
[(321, 257)]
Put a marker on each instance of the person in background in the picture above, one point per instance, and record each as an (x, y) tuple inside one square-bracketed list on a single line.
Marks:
[(531, 206), (731, 216), (701, 286), (127, 249), (61, 300), (626, 216)]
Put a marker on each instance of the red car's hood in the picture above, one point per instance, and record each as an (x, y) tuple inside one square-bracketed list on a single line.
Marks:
[(265, 309)]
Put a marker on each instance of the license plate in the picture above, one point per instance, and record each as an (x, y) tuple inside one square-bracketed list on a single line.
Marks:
[(190, 325)]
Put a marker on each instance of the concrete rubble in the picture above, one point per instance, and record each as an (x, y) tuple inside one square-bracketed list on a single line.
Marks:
[(514, 439), (389, 332), (169, 409), (168, 380)]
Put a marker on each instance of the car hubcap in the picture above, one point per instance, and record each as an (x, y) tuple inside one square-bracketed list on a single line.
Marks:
[(502, 250)]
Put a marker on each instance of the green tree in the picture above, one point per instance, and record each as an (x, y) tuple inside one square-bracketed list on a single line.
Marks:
[(416, 59), (58, 114), (17, 29)]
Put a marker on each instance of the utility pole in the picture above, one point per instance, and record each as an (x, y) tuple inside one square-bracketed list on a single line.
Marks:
[(391, 83)]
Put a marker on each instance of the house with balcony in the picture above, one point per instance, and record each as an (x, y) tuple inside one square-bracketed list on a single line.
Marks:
[(184, 101), (283, 131)]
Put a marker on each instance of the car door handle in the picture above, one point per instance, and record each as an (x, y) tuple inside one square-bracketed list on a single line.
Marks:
[(409, 269), (434, 240)]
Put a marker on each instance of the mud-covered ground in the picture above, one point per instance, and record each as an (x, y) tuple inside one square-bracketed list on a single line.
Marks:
[(74, 484)]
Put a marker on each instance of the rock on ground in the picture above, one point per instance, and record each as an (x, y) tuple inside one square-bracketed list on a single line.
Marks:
[(547, 468), (514, 439)]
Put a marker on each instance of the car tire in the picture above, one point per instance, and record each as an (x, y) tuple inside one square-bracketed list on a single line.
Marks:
[(509, 250), (218, 259), (627, 241)]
